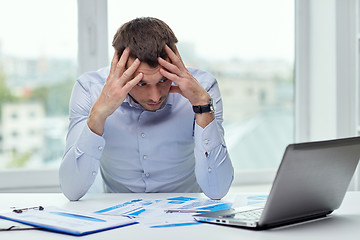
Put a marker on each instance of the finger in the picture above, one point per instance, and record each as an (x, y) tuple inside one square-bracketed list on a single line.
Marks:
[(177, 52), (174, 58), (128, 74), (120, 66), (132, 83), (169, 66), (114, 62), (171, 76)]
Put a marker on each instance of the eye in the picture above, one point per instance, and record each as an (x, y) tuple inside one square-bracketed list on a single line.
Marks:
[(141, 84), (163, 80)]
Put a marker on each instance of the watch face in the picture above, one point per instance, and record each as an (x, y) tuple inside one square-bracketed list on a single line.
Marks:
[(212, 106)]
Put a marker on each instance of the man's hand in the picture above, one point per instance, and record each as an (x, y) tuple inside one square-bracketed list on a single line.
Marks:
[(114, 92), (187, 85)]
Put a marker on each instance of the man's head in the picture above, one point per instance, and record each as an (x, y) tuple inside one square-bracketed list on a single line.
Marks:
[(146, 38)]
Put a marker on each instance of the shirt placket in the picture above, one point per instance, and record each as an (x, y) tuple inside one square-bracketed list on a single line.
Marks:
[(143, 139)]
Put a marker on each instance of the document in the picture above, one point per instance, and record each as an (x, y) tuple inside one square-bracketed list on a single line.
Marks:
[(170, 212), (66, 221)]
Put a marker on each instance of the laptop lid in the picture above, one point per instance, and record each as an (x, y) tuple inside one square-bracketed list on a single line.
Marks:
[(311, 182)]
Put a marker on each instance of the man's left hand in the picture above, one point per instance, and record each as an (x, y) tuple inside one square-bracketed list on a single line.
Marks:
[(187, 85)]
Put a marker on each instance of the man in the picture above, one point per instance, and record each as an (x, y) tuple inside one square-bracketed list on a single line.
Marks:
[(147, 123)]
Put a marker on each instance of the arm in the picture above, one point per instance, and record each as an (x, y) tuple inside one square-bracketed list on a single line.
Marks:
[(84, 143), (214, 171), (81, 160), (115, 90)]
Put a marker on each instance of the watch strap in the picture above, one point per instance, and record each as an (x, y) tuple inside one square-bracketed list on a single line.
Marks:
[(204, 108)]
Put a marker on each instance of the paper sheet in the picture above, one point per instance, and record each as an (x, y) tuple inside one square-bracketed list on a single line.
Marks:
[(153, 213)]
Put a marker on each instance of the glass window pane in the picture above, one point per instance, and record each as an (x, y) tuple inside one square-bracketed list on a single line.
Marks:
[(38, 67), (248, 45)]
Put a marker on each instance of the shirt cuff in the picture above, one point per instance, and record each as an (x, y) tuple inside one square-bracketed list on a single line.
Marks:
[(90, 143), (208, 138)]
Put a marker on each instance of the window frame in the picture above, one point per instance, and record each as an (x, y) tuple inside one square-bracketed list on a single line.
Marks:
[(320, 49)]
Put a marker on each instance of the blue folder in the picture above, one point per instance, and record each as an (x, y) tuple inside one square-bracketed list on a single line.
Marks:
[(66, 221)]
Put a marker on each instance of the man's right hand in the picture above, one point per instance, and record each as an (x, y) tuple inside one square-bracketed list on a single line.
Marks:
[(114, 92)]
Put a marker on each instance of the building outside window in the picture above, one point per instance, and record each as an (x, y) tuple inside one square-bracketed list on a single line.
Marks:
[(38, 67)]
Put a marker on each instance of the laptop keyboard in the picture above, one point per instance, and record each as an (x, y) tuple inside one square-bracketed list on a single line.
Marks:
[(250, 215)]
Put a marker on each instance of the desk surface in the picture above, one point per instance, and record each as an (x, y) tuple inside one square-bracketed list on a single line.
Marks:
[(343, 223)]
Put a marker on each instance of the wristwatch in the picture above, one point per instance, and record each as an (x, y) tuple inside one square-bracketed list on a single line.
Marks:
[(205, 108)]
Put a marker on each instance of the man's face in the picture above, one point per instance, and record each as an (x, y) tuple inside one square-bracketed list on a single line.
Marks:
[(151, 92)]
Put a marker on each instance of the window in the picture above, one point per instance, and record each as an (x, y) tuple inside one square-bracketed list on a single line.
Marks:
[(38, 67), (249, 47)]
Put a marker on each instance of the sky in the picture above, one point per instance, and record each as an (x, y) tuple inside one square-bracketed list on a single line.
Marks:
[(243, 29)]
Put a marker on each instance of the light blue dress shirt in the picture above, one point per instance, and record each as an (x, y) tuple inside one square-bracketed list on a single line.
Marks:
[(144, 151)]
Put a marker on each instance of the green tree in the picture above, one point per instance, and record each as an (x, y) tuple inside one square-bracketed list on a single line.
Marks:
[(55, 97), (19, 160)]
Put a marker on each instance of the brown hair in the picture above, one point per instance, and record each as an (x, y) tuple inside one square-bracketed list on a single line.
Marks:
[(146, 37)]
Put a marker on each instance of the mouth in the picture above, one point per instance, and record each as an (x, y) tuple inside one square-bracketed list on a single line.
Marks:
[(156, 104)]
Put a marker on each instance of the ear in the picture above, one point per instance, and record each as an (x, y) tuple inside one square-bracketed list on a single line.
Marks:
[(175, 89)]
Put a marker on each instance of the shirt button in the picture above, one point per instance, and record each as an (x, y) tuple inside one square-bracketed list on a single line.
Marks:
[(147, 174), (145, 157), (206, 141), (100, 147), (94, 173), (143, 135), (209, 169)]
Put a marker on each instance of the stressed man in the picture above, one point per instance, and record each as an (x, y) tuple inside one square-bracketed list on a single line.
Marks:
[(147, 123)]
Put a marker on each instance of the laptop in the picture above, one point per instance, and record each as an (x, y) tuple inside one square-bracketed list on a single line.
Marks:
[(310, 183)]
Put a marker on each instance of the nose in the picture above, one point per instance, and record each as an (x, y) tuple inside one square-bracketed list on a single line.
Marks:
[(154, 93)]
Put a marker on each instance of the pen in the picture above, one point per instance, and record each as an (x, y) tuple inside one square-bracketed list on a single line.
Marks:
[(186, 210)]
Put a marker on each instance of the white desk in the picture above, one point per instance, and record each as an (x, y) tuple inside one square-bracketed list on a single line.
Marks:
[(343, 223)]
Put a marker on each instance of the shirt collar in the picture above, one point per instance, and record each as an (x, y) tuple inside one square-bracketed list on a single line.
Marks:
[(130, 101)]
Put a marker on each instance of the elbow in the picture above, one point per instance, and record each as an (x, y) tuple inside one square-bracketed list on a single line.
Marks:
[(71, 185), (215, 196), (70, 189), (220, 191), (70, 193)]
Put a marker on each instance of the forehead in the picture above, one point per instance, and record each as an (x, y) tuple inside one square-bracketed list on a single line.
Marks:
[(151, 74)]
